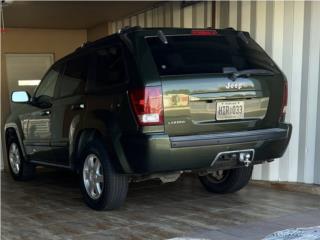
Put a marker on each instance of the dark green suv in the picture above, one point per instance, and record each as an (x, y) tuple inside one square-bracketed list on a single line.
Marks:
[(153, 103)]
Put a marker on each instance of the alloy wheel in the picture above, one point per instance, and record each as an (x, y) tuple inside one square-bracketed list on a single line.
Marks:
[(14, 158), (93, 176)]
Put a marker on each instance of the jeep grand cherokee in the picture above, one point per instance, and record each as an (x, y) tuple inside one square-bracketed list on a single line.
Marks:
[(153, 103)]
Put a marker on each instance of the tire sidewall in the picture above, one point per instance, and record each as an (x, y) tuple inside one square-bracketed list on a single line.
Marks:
[(95, 147), (235, 181), (13, 174)]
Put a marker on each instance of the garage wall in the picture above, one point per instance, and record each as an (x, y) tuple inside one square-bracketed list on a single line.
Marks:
[(170, 14), (97, 32), (22, 40), (289, 32)]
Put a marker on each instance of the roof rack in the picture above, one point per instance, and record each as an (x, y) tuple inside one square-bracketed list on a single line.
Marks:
[(127, 29), (83, 45)]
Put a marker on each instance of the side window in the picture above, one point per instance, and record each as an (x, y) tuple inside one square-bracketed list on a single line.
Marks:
[(110, 67), (48, 83), (74, 76)]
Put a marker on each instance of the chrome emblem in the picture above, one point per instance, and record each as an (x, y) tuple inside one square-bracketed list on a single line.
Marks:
[(234, 86), (176, 122)]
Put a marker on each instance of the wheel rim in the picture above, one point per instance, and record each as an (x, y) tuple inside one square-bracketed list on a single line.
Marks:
[(218, 176), (93, 176), (14, 158)]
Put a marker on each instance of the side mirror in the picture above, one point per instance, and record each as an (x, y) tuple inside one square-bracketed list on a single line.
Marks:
[(20, 97)]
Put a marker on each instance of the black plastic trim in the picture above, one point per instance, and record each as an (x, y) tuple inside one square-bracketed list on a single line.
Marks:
[(43, 163), (230, 138)]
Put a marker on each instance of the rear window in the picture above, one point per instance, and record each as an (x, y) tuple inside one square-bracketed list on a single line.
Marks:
[(207, 54)]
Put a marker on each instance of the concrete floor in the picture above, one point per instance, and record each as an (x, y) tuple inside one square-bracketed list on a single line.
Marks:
[(50, 207)]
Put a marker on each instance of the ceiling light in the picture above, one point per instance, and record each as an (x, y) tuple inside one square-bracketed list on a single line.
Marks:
[(28, 82)]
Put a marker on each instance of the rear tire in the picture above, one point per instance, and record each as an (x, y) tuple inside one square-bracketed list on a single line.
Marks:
[(20, 169), (102, 188), (229, 181)]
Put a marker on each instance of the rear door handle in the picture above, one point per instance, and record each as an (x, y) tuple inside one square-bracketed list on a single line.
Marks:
[(77, 106), (45, 113)]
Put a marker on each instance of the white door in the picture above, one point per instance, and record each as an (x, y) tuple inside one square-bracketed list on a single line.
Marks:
[(24, 72)]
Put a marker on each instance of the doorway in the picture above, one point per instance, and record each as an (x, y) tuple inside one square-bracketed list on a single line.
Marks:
[(24, 71)]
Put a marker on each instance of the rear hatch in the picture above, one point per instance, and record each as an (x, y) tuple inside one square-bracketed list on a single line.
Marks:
[(215, 81)]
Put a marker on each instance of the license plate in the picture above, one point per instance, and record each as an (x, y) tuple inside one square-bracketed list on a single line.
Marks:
[(227, 110)]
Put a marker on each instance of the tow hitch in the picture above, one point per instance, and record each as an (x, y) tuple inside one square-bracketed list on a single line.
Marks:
[(245, 157)]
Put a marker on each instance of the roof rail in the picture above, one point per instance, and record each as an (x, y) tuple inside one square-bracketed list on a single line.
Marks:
[(83, 45), (127, 29), (229, 28)]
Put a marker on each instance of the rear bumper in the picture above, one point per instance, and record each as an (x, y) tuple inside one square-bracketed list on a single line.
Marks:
[(150, 153)]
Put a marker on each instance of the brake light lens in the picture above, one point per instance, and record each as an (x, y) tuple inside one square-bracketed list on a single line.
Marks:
[(147, 105), (204, 32), (284, 101)]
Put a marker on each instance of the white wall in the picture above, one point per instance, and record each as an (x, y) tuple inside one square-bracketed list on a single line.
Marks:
[(290, 33)]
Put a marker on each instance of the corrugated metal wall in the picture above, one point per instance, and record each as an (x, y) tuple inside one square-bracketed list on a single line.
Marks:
[(169, 15), (290, 33)]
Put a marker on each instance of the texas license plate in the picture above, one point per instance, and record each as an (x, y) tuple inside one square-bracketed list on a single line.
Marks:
[(228, 110)]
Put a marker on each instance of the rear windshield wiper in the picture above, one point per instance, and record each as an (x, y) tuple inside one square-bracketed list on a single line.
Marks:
[(162, 37), (249, 72)]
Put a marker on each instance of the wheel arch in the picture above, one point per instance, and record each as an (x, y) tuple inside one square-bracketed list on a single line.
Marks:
[(13, 130), (85, 136), (10, 132)]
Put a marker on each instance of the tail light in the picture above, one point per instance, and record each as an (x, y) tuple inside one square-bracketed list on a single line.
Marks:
[(204, 32), (284, 102), (147, 105)]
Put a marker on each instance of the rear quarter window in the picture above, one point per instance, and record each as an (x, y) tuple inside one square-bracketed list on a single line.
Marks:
[(110, 67), (74, 76)]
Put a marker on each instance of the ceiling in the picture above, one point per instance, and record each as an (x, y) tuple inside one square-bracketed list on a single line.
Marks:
[(68, 15)]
